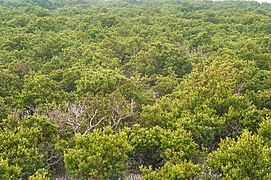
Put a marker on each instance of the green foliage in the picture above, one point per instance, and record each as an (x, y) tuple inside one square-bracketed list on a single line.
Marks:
[(190, 74), (247, 158), (265, 131), (8, 171), (155, 146), (101, 154), (26, 144), (105, 81), (40, 175), (3, 109), (208, 102)]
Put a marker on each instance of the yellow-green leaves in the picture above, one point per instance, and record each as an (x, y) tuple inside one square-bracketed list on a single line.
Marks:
[(27, 145), (246, 157), (101, 154), (156, 146)]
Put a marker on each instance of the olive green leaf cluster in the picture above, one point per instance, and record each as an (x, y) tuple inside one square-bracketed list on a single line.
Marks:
[(27, 145), (99, 155), (157, 89), (247, 157)]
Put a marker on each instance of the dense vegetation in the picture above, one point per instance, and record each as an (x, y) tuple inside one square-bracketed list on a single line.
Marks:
[(166, 89)]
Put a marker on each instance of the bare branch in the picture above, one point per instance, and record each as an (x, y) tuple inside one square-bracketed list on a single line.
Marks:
[(91, 127), (120, 115)]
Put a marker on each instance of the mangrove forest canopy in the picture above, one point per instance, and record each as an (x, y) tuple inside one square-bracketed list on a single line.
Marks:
[(161, 89)]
